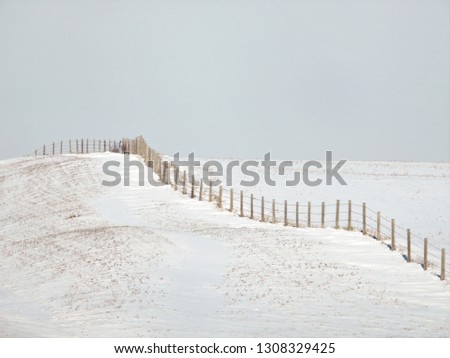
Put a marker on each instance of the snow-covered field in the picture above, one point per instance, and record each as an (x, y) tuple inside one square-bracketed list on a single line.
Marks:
[(81, 259), (416, 194)]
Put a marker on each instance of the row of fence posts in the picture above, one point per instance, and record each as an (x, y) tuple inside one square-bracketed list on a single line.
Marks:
[(165, 175), (136, 146), (81, 147), (154, 160), (151, 157)]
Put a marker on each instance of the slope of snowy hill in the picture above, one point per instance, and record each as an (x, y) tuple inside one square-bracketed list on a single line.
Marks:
[(81, 259)]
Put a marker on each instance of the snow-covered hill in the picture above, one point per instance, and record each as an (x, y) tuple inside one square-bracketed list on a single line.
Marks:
[(81, 259)]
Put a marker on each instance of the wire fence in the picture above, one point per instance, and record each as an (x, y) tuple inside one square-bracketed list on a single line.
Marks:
[(79, 146), (339, 215)]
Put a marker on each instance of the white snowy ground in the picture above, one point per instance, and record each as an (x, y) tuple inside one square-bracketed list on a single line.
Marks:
[(81, 259), (416, 194)]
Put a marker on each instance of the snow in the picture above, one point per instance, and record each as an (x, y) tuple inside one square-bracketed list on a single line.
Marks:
[(416, 194), (81, 259)]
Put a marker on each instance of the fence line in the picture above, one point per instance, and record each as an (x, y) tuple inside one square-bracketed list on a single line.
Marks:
[(359, 217)]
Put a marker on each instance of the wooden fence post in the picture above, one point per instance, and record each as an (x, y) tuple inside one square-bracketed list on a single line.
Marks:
[(61, 148), (364, 219), (425, 254), (349, 224), (200, 194), (285, 213), (296, 214), (231, 200), (241, 203), (192, 186), (35, 152), (151, 160), (77, 146), (408, 238), (263, 219), (378, 225), (162, 173), (443, 264), (184, 183), (87, 146), (53, 151), (274, 215), (323, 215), (104, 145), (43, 150), (219, 204), (70, 146), (393, 234), (337, 214), (168, 174), (176, 174), (309, 214), (82, 146), (210, 190)]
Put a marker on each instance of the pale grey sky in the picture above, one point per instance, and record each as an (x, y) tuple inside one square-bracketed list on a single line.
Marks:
[(366, 79)]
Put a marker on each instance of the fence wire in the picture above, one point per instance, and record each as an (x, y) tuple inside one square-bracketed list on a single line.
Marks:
[(301, 214)]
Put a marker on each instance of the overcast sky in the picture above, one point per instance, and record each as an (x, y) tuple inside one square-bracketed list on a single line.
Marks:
[(366, 79)]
